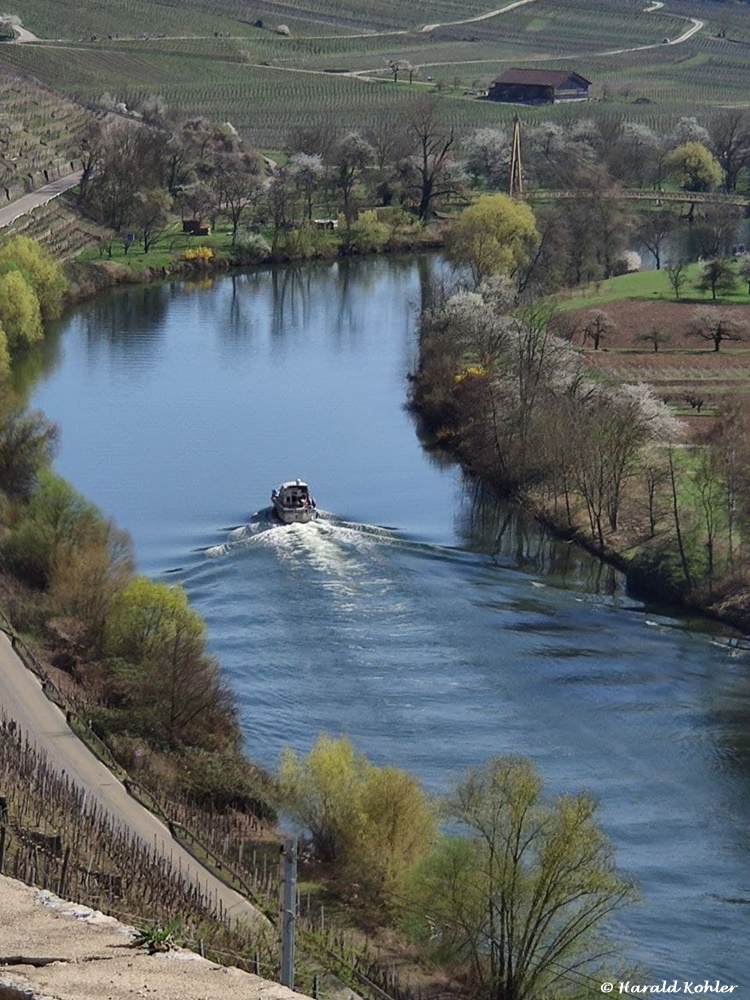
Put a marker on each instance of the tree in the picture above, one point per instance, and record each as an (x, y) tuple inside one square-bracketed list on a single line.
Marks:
[(27, 444), (493, 236), (717, 276), (488, 157), (729, 129), (715, 325), (597, 327), (743, 268), (198, 200), (350, 159), (634, 158), (41, 270), (368, 234), (611, 427), (677, 275), (653, 230), (174, 688), (55, 521), (239, 185), (432, 142), (398, 828), (4, 356), (521, 898), (600, 211), (20, 314), (322, 792), (149, 215), (307, 171), (693, 168), (85, 578), (371, 823), (655, 337)]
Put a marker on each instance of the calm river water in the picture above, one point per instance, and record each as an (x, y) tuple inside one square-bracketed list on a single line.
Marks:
[(416, 617)]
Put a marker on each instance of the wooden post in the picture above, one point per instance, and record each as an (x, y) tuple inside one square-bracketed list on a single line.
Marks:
[(288, 867)]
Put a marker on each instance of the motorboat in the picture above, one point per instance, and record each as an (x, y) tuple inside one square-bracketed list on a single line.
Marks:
[(293, 504)]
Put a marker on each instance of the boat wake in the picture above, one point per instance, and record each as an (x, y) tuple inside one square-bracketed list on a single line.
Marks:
[(344, 557), (331, 548)]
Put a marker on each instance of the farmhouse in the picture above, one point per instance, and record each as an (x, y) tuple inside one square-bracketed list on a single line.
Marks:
[(539, 86)]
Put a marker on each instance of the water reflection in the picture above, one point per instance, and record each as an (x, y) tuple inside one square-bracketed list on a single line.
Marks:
[(703, 238), (504, 531), (129, 319)]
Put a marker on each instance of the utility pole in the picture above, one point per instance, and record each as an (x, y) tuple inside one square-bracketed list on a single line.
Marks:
[(515, 186), (288, 866)]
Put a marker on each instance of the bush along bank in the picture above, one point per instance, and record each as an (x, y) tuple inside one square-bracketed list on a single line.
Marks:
[(177, 255), (607, 465)]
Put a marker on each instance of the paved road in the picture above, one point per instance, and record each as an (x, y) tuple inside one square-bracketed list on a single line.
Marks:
[(9, 213), (22, 699)]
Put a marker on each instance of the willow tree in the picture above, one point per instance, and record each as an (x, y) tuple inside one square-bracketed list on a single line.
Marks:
[(19, 311), (43, 272), (520, 901), (493, 236), (371, 824), (155, 644), (693, 167)]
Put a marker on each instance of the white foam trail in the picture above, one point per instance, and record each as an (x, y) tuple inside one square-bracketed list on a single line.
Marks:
[(331, 548)]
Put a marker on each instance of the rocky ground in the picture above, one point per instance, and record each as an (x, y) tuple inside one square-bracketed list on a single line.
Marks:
[(94, 960)]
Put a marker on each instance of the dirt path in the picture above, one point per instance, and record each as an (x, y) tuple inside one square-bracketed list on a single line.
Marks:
[(23, 700), (23, 36), (695, 26), (479, 17)]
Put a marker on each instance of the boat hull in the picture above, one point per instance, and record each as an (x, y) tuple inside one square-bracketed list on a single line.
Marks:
[(294, 515)]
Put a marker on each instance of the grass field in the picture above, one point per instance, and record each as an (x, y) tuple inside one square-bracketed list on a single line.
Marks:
[(209, 57)]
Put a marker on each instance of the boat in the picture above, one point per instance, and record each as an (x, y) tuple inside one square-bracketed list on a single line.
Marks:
[(293, 504)]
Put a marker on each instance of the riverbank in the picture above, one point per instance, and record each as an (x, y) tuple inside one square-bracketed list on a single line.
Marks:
[(600, 460), (90, 276)]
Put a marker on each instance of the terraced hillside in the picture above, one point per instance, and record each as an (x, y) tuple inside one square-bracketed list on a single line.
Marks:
[(39, 134)]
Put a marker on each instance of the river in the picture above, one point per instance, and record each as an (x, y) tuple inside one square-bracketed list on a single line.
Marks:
[(429, 624)]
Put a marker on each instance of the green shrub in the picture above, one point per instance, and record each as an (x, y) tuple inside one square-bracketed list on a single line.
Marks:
[(251, 248)]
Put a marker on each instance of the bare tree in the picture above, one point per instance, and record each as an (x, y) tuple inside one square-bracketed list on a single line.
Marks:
[(730, 139), (653, 230), (655, 337), (350, 159), (597, 327), (677, 275), (240, 185), (715, 325), (432, 142)]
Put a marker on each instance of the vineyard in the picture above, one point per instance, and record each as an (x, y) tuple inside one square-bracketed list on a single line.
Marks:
[(51, 837), (38, 135), (226, 61)]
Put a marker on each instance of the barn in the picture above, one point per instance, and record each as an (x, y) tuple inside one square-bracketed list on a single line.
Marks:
[(539, 86)]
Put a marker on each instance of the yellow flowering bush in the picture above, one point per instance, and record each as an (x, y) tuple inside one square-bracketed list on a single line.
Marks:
[(199, 253), (474, 371)]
